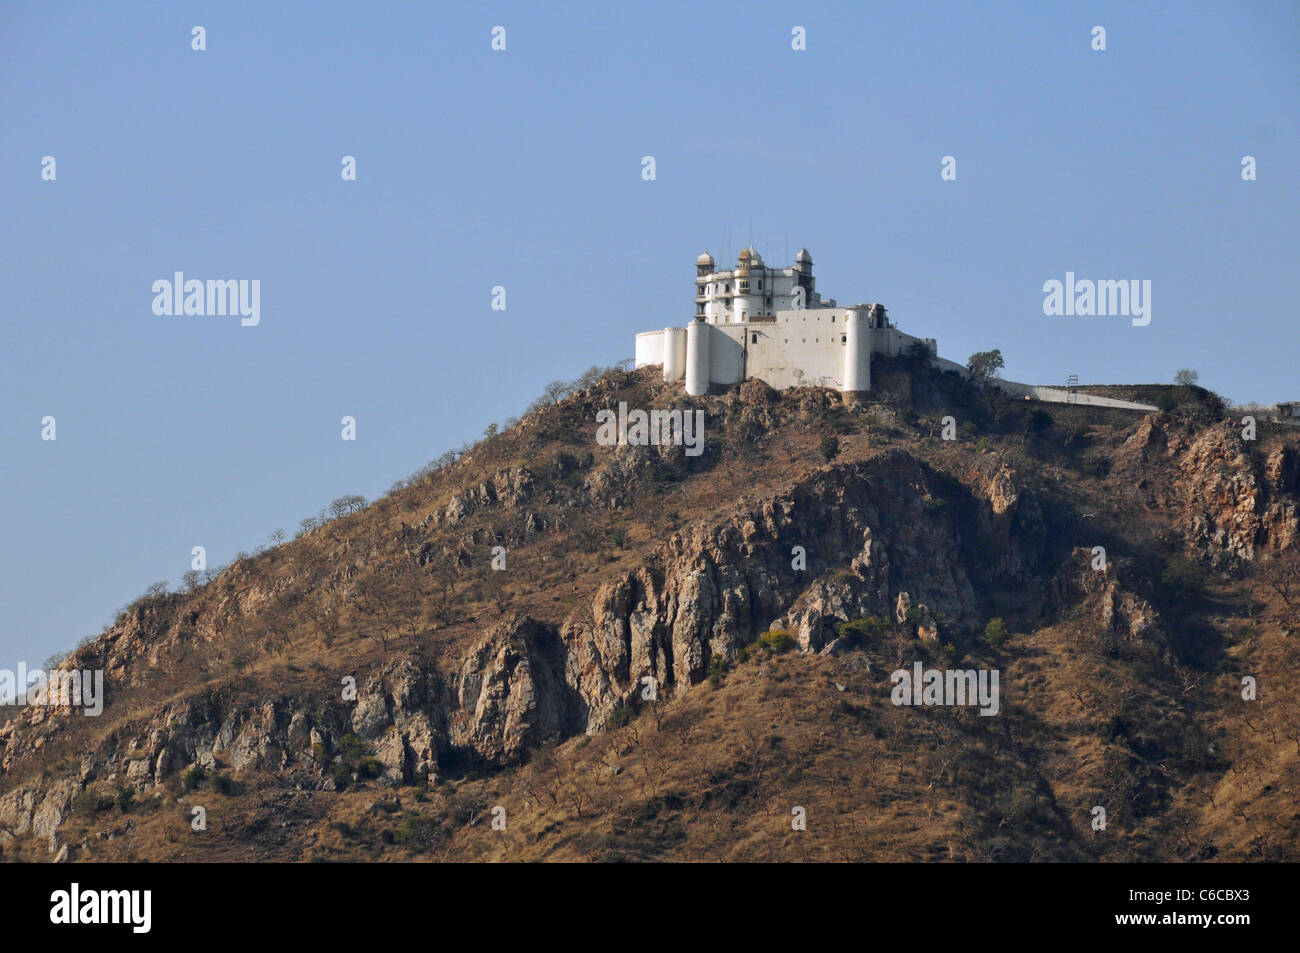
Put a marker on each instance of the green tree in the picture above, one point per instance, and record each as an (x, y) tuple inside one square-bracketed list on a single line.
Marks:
[(830, 447), (985, 365), (995, 633)]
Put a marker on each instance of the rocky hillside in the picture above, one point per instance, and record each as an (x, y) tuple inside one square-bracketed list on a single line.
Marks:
[(554, 649)]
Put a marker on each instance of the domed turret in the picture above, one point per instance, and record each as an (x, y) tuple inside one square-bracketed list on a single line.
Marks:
[(705, 260)]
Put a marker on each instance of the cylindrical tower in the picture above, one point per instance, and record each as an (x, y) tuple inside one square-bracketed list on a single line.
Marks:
[(674, 354), (857, 351), (703, 268), (747, 306), (749, 298), (697, 358)]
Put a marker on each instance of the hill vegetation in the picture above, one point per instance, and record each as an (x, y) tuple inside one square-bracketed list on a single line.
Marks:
[(542, 648)]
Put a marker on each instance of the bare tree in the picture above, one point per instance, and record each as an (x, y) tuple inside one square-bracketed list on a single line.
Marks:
[(1282, 574), (391, 601), (347, 504), (326, 618), (556, 391)]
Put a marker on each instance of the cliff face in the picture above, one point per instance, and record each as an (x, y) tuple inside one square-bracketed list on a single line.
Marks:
[(1235, 499), (385, 650)]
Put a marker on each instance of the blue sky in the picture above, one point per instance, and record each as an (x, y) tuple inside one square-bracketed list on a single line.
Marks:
[(523, 169)]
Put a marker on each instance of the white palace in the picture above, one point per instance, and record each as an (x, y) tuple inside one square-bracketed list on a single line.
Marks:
[(771, 324)]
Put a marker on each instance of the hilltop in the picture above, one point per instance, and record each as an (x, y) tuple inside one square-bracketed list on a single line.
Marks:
[(523, 687)]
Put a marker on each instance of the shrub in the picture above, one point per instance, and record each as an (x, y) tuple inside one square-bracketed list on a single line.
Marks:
[(351, 748), (1040, 420), (125, 798), (192, 777), (1095, 465), (417, 831), (90, 802), (830, 447), (340, 775), (718, 667), (776, 641), (1183, 575), (619, 717), (369, 769), (860, 631), (223, 783), (995, 633)]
